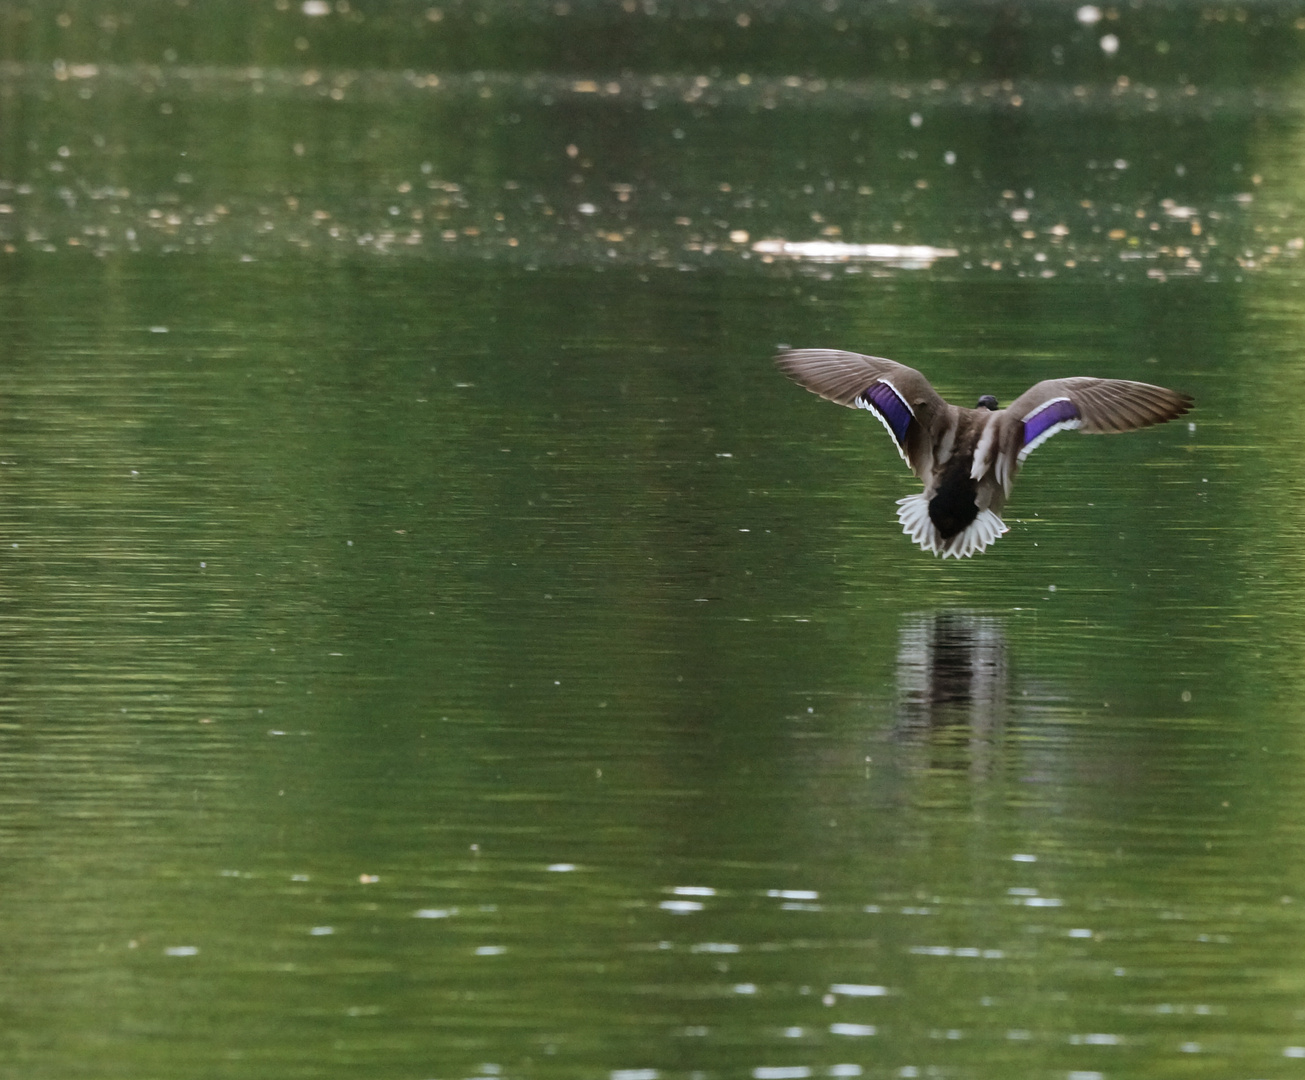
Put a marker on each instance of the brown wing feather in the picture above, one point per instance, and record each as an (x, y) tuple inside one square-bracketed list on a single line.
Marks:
[(1107, 405), (842, 376)]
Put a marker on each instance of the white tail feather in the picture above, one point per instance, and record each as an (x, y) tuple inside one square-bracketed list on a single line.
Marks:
[(914, 516), (913, 513)]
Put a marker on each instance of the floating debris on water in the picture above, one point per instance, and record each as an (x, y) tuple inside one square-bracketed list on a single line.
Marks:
[(718, 185), (906, 256)]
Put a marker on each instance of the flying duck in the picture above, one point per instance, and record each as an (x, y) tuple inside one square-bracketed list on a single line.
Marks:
[(968, 458)]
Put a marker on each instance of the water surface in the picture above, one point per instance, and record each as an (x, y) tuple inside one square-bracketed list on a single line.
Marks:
[(438, 657)]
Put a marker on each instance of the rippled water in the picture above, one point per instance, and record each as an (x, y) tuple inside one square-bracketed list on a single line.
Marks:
[(438, 644)]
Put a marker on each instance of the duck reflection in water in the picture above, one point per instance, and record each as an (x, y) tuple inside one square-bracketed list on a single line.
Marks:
[(952, 687)]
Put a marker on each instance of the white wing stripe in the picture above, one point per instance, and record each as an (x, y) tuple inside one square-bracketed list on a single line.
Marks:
[(861, 403)]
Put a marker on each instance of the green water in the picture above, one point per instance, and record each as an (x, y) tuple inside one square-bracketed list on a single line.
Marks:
[(450, 649)]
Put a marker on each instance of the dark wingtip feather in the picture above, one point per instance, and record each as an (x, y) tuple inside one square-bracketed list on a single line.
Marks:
[(1174, 404), (1121, 405), (788, 361)]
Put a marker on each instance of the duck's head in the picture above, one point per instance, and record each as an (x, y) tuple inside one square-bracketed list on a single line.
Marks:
[(987, 402)]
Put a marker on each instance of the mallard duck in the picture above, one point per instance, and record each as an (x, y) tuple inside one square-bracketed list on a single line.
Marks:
[(968, 458)]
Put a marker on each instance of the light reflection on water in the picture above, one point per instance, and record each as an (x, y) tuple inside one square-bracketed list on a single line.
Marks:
[(951, 670)]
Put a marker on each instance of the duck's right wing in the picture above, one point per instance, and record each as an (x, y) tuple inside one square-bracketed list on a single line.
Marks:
[(1094, 406), (899, 396)]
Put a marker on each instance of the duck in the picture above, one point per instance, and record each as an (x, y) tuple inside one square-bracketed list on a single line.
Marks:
[(969, 458)]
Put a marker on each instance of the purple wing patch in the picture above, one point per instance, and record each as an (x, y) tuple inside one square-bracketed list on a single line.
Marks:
[(895, 413), (1042, 423), (1052, 413)]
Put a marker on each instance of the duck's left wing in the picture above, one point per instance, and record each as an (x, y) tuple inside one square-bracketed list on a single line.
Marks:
[(1093, 406), (902, 398)]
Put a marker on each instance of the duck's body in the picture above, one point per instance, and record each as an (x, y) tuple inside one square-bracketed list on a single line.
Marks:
[(968, 458)]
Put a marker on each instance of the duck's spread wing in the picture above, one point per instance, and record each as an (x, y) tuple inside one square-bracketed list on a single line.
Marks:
[(899, 396), (1094, 406)]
